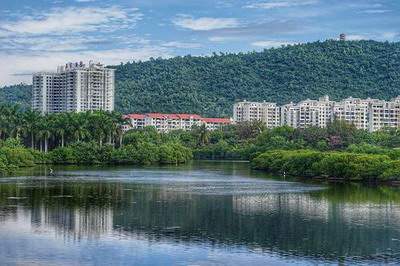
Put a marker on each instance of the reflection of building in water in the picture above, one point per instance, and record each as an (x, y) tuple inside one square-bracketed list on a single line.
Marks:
[(311, 207), (76, 223), (271, 203)]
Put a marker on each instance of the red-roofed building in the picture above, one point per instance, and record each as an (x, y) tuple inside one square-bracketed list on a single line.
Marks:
[(168, 122), (216, 123)]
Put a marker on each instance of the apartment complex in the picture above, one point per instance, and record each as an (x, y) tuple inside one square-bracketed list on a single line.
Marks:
[(368, 114), (269, 113), (168, 122), (75, 87)]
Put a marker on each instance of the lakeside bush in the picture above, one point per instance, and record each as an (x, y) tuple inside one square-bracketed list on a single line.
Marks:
[(14, 155), (341, 165), (143, 153)]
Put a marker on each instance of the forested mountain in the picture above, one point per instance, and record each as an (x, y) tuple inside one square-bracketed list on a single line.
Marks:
[(210, 85), (17, 94)]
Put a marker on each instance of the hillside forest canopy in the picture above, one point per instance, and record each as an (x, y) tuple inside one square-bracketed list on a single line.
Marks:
[(210, 85)]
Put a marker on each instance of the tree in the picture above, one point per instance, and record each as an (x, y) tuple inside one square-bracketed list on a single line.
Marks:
[(31, 119), (202, 135)]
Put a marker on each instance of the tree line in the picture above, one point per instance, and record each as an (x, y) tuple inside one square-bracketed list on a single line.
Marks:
[(42, 132), (340, 150)]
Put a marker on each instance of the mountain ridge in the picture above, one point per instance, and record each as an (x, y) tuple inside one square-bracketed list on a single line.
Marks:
[(210, 85)]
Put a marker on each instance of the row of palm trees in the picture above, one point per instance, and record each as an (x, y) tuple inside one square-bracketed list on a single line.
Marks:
[(57, 130)]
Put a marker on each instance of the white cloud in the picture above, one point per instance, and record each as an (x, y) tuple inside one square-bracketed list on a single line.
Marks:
[(184, 45), (379, 36), (375, 11), (205, 23), (224, 38), (357, 37), (72, 19), (15, 64), (271, 43), (390, 35), (281, 4)]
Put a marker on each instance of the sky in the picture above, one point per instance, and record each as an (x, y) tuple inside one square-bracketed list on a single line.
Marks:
[(39, 35)]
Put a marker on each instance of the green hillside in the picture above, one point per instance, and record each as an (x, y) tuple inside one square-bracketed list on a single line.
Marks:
[(16, 94), (210, 85)]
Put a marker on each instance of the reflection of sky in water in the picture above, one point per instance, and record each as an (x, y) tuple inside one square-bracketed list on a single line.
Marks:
[(187, 217), (201, 182)]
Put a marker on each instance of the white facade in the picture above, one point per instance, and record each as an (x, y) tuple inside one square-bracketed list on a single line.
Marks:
[(368, 114), (267, 112), (307, 113), (74, 88), (169, 122)]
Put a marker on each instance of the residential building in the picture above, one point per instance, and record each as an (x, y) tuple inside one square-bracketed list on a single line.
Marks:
[(216, 123), (168, 122), (354, 111), (307, 113), (75, 87), (368, 114), (263, 111)]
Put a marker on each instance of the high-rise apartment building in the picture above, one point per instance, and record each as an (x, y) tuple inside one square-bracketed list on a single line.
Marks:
[(368, 114), (75, 87)]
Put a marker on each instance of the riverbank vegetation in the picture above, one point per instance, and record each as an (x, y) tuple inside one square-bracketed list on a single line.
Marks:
[(28, 138), (333, 165), (337, 151)]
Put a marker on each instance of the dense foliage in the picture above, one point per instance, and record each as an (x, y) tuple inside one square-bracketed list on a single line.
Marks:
[(339, 150), (17, 94), (342, 165), (80, 138), (14, 155), (210, 85)]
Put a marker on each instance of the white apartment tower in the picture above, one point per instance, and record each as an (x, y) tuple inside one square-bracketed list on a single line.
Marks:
[(75, 87), (263, 111), (307, 113)]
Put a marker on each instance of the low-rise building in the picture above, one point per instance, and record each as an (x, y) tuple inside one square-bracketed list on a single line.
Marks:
[(169, 122)]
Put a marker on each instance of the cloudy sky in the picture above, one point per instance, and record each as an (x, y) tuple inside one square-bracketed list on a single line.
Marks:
[(38, 35)]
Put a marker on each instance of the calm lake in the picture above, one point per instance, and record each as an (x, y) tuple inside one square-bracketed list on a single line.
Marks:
[(219, 213)]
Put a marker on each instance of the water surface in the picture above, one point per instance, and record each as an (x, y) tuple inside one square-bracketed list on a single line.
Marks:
[(200, 214)]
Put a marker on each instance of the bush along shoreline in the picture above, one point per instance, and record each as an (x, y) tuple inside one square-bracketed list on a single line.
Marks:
[(14, 156), (339, 151), (345, 166)]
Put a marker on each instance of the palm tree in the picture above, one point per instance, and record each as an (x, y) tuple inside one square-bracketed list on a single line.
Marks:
[(78, 126), (3, 121), (117, 123), (31, 119), (61, 126), (16, 121), (203, 135), (45, 132)]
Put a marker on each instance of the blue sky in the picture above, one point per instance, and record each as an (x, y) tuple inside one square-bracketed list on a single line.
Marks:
[(38, 35)]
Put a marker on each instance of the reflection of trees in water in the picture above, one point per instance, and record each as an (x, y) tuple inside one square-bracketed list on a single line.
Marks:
[(317, 224)]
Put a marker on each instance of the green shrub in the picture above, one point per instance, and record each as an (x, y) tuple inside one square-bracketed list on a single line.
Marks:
[(64, 155), (308, 163)]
